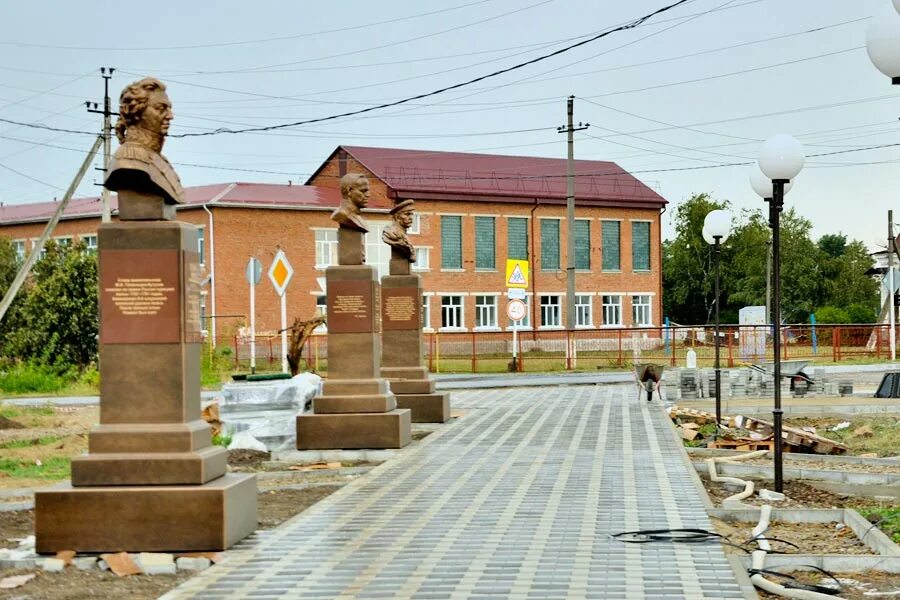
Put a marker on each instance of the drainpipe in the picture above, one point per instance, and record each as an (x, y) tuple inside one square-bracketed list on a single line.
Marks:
[(211, 246), (534, 270)]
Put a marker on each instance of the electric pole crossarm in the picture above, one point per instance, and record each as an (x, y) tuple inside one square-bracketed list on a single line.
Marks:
[(48, 230)]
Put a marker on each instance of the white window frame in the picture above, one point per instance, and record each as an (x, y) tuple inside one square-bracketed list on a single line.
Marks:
[(611, 308), (63, 241), (423, 259), (486, 310), (201, 245), (204, 331), (322, 309), (426, 312), (580, 306), (19, 247), (90, 243), (642, 307), (326, 249), (416, 227), (460, 309), (551, 308), (378, 254)]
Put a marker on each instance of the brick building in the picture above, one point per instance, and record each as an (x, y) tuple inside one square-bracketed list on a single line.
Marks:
[(474, 212)]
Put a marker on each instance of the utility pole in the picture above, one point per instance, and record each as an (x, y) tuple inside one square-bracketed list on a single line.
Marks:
[(570, 130), (106, 73), (891, 283)]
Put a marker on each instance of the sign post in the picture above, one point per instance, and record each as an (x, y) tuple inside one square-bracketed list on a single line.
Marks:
[(280, 274), (254, 274), (516, 282)]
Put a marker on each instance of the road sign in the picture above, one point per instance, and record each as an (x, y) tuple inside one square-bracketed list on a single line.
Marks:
[(515, 294), (515, 309), (517, 273), (886, 282), (254, 271), (280, 272)]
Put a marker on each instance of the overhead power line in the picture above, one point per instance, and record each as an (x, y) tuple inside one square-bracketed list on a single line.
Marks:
[(520, 65), (243, 42)]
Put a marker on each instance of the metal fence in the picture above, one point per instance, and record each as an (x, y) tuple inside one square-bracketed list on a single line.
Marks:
[(604, 348)]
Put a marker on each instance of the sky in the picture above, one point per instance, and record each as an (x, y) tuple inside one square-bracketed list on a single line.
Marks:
[(681, 101)]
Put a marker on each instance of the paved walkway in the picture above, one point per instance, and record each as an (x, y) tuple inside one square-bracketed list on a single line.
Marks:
[(514, 500)]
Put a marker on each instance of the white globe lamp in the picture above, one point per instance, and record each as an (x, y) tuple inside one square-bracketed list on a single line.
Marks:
[(883, 41), (781, 157), (761, 184), (717, 225)]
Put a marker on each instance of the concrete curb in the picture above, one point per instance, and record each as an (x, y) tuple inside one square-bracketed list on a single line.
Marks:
[(765, 472), (832, 563)]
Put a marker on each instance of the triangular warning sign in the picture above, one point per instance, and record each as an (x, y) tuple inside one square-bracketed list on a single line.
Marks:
[(517, 277)]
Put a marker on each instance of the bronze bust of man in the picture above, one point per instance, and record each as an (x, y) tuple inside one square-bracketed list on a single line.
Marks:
[(145, 112), (354, 198), (395, 234)]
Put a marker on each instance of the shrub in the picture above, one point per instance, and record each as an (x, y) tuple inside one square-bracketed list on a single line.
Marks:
[(832, 315), (28, 378)]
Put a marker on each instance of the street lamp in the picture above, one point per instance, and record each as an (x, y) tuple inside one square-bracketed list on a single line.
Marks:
[(780, 159), (716, 228), (883, 41)]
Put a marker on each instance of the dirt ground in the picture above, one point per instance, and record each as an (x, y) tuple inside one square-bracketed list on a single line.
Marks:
[(275, 506), (799, 495), (810, 538), (854, 586)]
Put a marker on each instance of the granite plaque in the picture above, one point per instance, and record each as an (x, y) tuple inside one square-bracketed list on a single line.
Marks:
[(140, 299), (350, 307), (400, 308)]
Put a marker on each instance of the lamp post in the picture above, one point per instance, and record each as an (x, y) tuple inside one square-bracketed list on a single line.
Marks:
[(716, 227), (883, 46), (780, 159)]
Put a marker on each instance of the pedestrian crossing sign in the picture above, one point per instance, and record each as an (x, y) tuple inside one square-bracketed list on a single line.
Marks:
[(517, 273)]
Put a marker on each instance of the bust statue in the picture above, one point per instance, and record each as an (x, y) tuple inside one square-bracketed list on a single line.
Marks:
[(395, 234), (354, 198), (145, 112)]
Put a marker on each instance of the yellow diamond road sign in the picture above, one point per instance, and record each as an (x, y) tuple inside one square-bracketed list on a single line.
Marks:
[(517, 273), (280, 273)]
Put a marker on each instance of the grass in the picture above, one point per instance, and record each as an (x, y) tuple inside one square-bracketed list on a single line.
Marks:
[(11, 412), (55, 468), (25, 443), (887, 519), (707, 432)]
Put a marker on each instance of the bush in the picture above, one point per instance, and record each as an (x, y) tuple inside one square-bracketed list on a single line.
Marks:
[(860, 313), (832, 315), (29, 378)]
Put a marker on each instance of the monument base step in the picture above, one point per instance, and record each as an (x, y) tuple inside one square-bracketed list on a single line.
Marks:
[(374, 403), (412, 386), (354, 431), (426, 408), (149, 437), (191, 518), (415, 373), (150, 468)]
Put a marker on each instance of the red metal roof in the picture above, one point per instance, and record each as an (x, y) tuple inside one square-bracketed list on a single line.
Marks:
[(452, 175), (231, 194)]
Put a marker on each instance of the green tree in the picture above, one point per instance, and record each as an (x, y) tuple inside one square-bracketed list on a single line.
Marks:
[(57, 320), (846, 283), (688, 277)]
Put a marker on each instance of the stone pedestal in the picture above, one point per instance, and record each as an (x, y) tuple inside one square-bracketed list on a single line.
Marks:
[(151, 451), (402, 365), (356, 408)]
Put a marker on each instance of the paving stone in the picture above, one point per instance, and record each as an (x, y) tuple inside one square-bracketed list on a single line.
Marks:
[(192, 563), (53, 565), (518, 499), (156, 563), (85, 563)]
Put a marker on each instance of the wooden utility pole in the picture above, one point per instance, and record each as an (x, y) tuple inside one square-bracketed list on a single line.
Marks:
[(106, 73), (570, 130), (48, 231)]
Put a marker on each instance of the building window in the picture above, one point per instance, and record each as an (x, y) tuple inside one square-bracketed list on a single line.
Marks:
[(451, 242), (640, 246), (583, 316), (416, 227), (326, 248), (378, 254), (201, 244), (610, 234), (485, 311), (451, 312), (641, 315), (517, 238), (19, 247), (612, 310), (426, 312), (63, 242), (322, 310), (549, 244), (526, 322), (90, 243), (204, 326), (551, 311), (421, 263), (485, 246), (583, 245)]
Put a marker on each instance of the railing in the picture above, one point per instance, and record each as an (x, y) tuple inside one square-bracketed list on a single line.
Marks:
[(603, 348)]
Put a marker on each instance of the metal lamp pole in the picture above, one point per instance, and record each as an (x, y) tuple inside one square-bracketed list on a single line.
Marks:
[(716, 228), (717, 250)]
